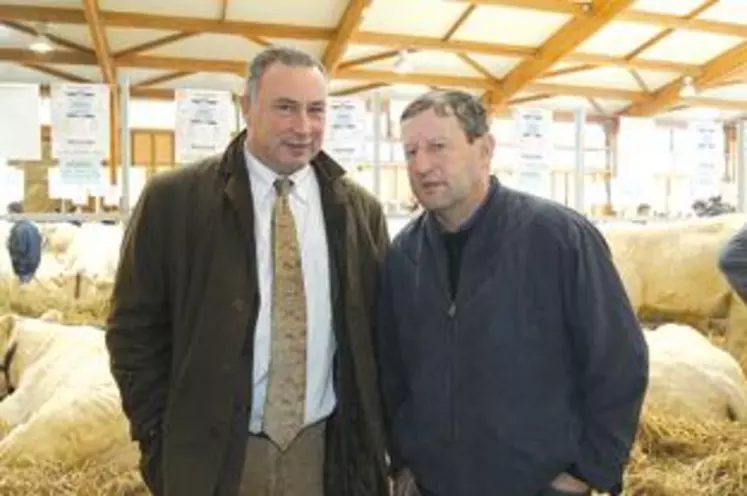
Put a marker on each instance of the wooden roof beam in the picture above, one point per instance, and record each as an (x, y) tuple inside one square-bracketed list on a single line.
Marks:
[(164, 22), (564, 41), (123, 19), (57, 40), (358, 89), (187, 24), (529, 99), (718, 69), (663, 34), (505, 50), (639, 80), (100, 44), (421, 79), (369, 77), (597, 107), (56, 73), (632, 15), (338, 45), (568, 70), (389, 54), (150, 45), (223, 9), (164, 78), (458, 23)]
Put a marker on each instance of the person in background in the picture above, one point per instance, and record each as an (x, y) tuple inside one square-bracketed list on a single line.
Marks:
[(732, 262), (511, 361), (24, 246), (242, 313)]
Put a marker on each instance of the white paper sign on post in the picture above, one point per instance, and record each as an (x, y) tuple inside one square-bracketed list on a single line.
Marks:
[(80, 171), (637, 141), (20, 121), (78, 195), (203, 119), (112, 195), (707, 159), (535, 148), (80, 119), (11, 185), (345, 134), (54, 186)]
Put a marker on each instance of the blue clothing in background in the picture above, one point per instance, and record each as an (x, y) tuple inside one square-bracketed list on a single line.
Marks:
[(25, 247)]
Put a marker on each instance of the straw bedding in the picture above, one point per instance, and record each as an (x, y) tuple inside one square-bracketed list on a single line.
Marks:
[(33, 299), (87, 480), (671, 457)]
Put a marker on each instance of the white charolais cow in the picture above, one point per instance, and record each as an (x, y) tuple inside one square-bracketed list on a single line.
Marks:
[(671, 268), (65, 407), (693, 378)]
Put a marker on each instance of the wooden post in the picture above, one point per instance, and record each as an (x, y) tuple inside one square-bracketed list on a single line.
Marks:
[(78, 285), (114, 123)]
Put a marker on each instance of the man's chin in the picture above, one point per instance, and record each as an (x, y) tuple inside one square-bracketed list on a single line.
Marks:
[(433, 204), (291, 166)]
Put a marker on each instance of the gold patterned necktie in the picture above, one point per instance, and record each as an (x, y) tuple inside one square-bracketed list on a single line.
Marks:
[(286, 389)]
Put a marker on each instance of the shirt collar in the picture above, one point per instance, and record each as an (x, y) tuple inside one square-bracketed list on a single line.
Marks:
[(263, 178)]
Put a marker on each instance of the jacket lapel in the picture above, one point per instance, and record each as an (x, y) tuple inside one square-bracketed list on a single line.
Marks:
[(237, 189), (334, 205), (238, 195)]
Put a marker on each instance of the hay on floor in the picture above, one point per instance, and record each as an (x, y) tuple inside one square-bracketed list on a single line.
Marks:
[(675, 457), (671, 456), (32, 300), (89, 480)]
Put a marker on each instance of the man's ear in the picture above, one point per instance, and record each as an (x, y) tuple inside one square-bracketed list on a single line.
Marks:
[(487, 147), (246, 105)]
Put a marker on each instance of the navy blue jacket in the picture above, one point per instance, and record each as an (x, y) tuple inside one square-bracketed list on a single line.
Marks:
[(25, 249), (537, 367), (732, 262)]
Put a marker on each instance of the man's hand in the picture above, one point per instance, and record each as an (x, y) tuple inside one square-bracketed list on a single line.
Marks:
[(568, 483), (404, 484)]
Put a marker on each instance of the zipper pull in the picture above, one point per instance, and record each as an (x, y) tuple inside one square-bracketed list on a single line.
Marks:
[(452, 310)]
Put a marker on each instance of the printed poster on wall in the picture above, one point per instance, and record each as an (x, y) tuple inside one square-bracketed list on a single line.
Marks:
[(708, 159), (11, 184), (637, 142), (532, 127), (345, 137), (81, 171), (203, 123), (80, 120), (20, 121)]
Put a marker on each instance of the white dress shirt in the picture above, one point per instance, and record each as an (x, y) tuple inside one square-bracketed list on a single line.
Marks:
[(306, 206)]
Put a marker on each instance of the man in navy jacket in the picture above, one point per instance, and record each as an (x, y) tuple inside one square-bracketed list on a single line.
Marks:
[(732, 262), (24, 246), (512, 362)]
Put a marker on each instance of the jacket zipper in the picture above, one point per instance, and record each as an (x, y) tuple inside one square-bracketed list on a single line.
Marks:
[(452, 385), (452, 376)]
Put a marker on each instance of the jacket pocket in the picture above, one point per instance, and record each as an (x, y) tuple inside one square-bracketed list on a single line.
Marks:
[(151, 463)]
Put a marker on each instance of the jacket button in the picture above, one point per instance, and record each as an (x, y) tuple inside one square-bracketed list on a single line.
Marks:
[(239, 305)]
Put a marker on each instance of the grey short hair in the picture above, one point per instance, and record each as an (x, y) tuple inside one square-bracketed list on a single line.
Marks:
[(469, 110), (285, 55)]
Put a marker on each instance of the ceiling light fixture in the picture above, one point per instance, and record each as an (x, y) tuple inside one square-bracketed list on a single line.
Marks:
[(403, 63), (688, 87), (41, 43)]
